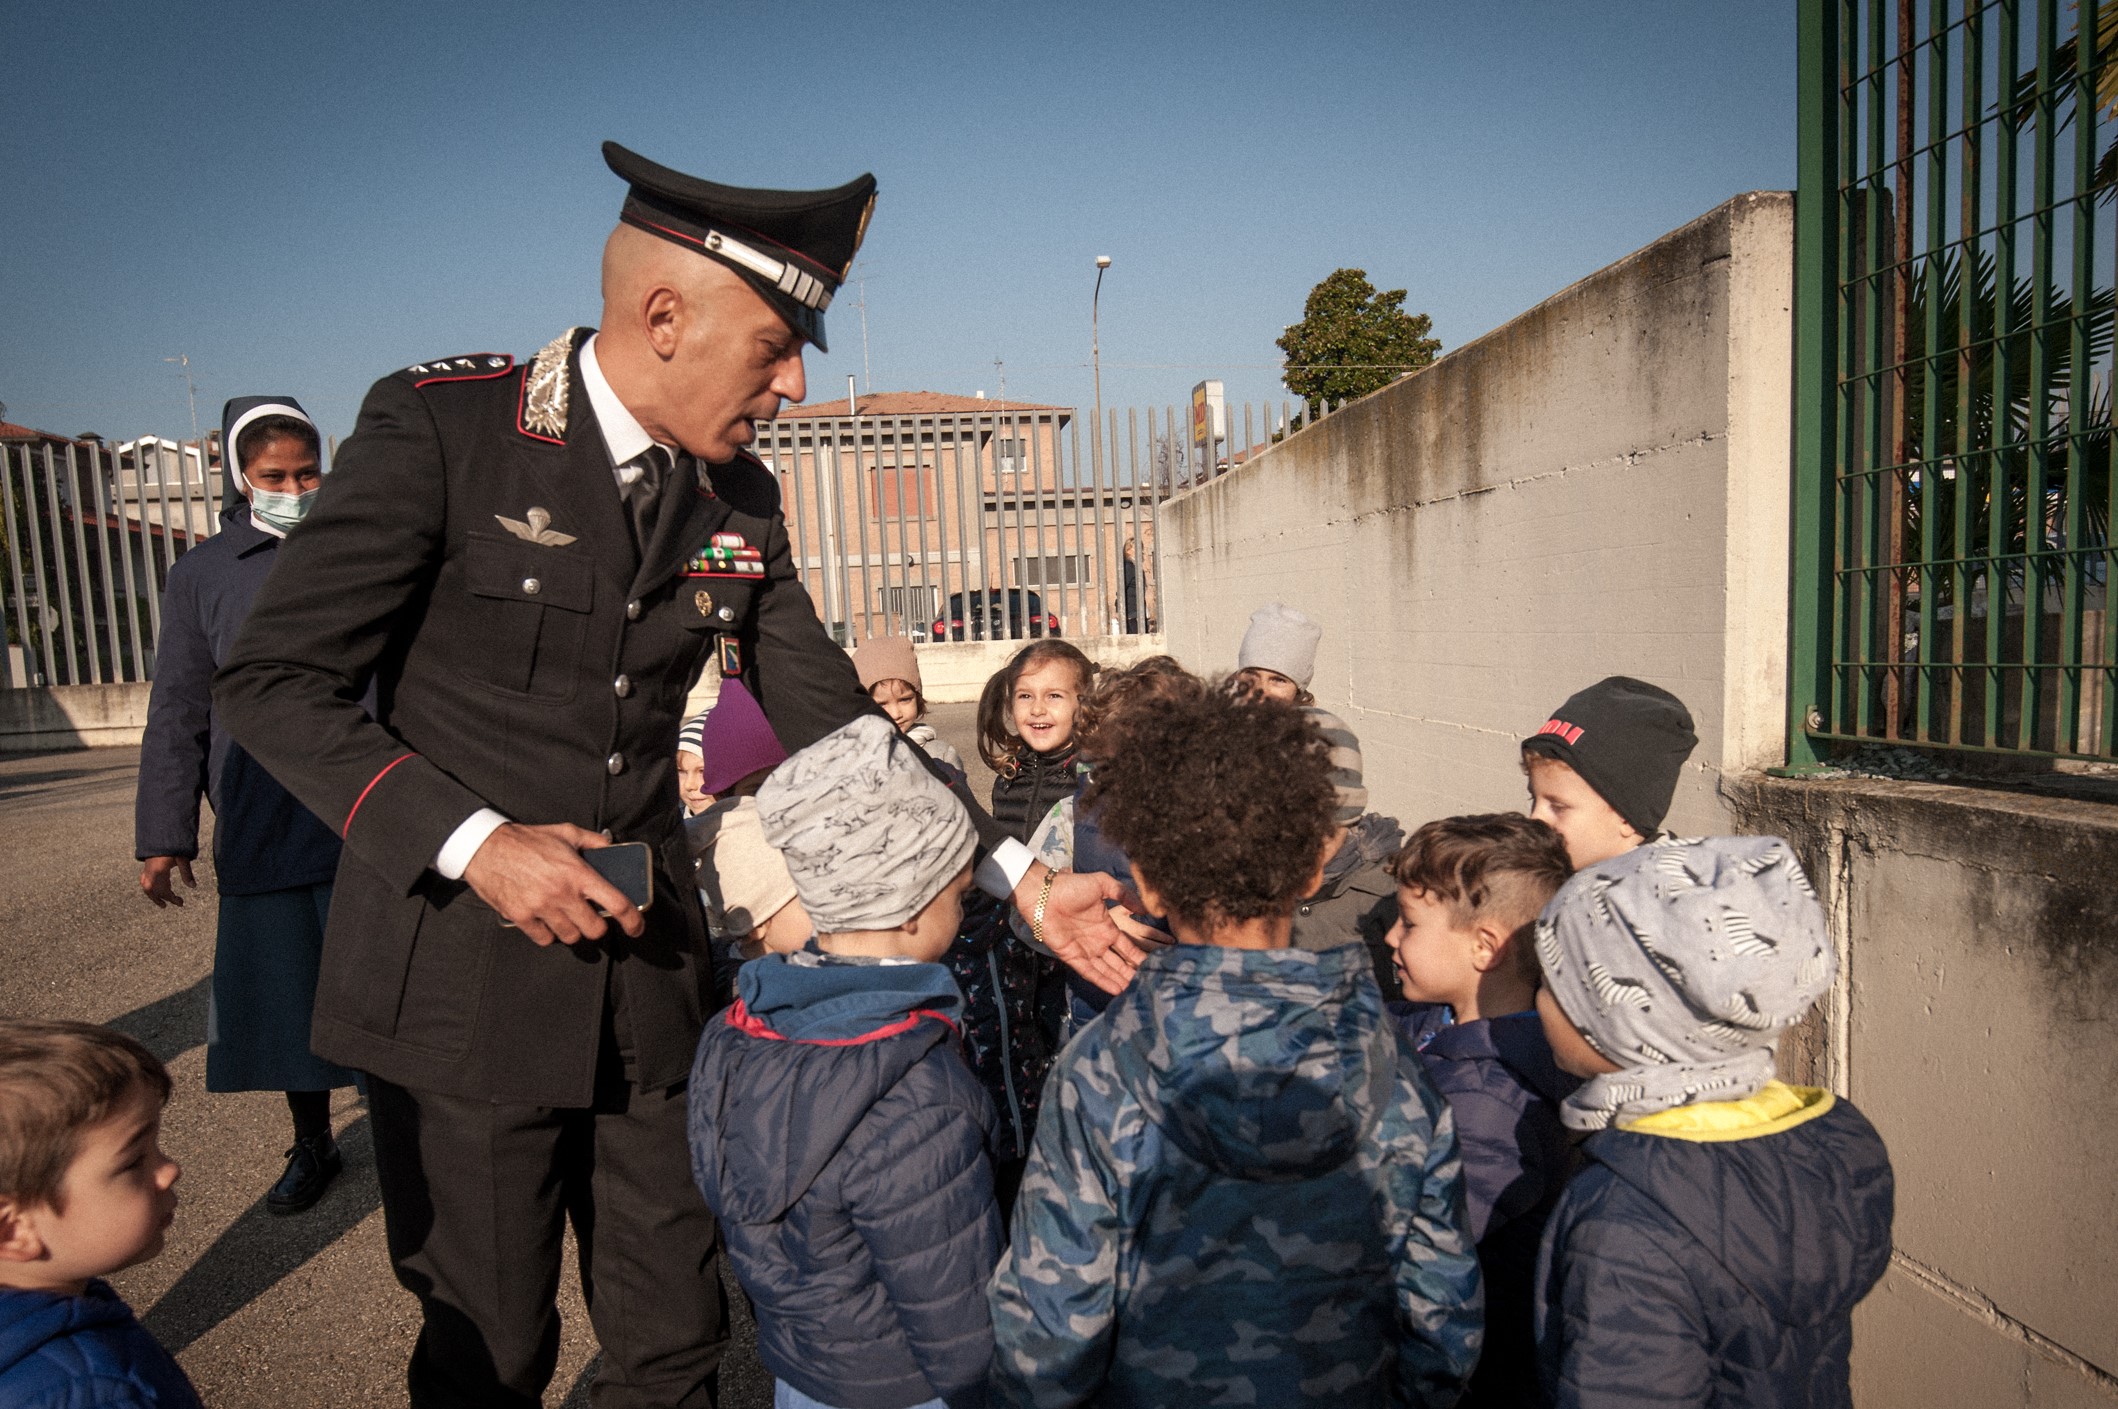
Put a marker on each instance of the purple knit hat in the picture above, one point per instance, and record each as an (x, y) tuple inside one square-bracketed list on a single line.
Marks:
[(736, 740)]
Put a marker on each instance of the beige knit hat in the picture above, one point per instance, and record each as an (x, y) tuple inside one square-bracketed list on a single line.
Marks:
[(887, 658), (745, 880)]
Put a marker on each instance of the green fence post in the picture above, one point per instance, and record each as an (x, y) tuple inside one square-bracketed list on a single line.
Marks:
[(1816, 295)]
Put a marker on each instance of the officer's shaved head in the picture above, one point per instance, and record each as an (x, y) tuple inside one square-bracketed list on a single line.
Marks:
[(695, 353)]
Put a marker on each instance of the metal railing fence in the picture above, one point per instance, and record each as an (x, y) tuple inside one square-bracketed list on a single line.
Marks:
[(89, 532), (994, 524), (1955, 263)]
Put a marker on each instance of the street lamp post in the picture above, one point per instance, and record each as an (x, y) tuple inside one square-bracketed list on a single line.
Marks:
[(1095, 357)]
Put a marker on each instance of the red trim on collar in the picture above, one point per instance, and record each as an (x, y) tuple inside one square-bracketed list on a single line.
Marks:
[(744, 1021), (342, 831), (522, 409)]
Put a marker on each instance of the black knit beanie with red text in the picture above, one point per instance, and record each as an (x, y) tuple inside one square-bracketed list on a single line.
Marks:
[(1628, 740)]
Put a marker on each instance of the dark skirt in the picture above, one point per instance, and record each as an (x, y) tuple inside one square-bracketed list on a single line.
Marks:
[(265, 958)]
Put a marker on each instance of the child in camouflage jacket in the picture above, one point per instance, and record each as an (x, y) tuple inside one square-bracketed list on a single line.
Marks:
[(1242, 1188)]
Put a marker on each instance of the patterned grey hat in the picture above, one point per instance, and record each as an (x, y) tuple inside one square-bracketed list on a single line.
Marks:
[(1682, 961), (869, 834)]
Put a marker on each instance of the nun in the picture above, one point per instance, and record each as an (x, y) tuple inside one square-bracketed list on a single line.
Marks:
[(273, 860)]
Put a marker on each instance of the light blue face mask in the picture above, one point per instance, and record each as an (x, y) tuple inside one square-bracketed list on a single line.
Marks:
[(281, 511)]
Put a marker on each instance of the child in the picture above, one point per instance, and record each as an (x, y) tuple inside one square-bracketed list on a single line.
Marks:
[(1278, 656), (691, 766), (1072, 840), (1603, 768), (1468, 893), (84, 1191), (889, 671), (751, 907), (1014, 997), (1243, 1190), (736, 745), (1357, 903), (1714, 1249), (834, 1129)]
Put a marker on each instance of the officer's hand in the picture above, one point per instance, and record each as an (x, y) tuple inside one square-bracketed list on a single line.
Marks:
[(154, 879), (536, 879), (1078, 926)]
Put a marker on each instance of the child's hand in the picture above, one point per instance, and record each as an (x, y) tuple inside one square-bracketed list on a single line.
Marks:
[(1138, 930)]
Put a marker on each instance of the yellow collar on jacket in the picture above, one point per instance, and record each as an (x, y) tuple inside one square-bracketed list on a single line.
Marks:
[(1775, 1108)]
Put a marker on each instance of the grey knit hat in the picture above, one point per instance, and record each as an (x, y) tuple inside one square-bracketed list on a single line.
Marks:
[(868, 833), (1281, 639), (1345, 763), (1682, 961)]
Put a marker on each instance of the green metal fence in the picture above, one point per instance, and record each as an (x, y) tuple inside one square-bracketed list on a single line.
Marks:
[(1956, 249)]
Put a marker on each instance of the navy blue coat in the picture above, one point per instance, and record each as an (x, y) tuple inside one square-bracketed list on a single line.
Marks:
[(1501, 1084), (84, 1352), (841, 1140), (263, 840), (1721, 1272)]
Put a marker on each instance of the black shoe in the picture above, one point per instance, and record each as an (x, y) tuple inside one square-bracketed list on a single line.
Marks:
[(311, 1166)]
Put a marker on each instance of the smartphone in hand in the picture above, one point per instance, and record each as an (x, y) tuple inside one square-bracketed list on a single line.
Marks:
[(630, 867)]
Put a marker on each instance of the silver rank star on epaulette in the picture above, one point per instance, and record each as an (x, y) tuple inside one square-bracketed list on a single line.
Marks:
[(474, 366)]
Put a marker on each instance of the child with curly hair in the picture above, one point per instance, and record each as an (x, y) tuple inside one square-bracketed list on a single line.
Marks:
[(1241, 1107)]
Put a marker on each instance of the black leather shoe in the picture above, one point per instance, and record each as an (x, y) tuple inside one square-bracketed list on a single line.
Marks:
[(311, 1166)]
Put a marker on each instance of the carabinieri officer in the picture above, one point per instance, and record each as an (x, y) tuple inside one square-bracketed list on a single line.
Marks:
[(532, 563)]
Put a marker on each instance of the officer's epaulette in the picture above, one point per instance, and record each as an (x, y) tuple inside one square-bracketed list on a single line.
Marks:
[(471, 367), (745, 485)]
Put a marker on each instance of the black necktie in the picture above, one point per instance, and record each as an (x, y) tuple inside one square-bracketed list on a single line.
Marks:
[(644, 496)]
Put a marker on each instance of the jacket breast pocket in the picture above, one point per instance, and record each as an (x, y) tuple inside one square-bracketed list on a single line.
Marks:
[(529, 615)]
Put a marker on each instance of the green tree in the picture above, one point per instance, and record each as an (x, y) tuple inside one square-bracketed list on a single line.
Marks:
[(1353, 339)]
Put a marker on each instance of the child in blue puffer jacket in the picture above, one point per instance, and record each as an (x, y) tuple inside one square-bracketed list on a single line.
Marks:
[(1727, 1224), (84, 1191), (1468, 893), (835, 1130)]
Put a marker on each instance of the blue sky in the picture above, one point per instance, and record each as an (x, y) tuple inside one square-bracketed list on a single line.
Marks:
[(305, 197)]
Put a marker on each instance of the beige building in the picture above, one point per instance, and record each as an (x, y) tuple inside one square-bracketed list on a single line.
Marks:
[(939, 516)]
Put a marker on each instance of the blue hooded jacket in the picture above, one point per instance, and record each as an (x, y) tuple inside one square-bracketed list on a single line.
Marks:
[(84, 1352), (1713, 1254), (841, 1140), (1500, 1081)]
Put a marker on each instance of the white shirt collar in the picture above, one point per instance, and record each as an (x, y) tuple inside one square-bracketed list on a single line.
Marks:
[(623, 435)]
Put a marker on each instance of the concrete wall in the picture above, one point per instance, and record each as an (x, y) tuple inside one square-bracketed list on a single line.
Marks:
[(1976, 1023), (1598, 487), (43, 718)]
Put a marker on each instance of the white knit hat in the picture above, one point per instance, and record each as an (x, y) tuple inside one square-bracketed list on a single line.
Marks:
[(1281, 639)]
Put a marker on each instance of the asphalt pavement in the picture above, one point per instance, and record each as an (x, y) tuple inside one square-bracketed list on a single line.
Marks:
[(261, 1310)]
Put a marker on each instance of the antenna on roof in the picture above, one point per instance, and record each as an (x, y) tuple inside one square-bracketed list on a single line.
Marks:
[(183, 361)]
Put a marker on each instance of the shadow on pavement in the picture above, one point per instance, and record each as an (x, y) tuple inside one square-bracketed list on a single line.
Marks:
[(261, 1247), (171, 1025)]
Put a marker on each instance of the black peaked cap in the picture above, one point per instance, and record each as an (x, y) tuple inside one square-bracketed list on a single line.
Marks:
[(793, 247), (1628, 740)]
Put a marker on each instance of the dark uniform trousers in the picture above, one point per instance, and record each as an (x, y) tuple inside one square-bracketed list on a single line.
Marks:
[(476, 1194), (470, 557)]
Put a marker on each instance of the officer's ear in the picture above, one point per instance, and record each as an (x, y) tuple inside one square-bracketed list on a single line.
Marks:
[(663, 314)]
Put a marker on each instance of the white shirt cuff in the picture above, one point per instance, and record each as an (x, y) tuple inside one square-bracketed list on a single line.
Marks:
[(463, 843), (1003, 868)]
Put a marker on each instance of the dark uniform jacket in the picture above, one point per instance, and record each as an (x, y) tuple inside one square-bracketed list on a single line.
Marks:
[(539, 668)]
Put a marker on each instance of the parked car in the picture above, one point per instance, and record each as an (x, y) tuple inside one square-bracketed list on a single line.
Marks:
[(1012, 615)]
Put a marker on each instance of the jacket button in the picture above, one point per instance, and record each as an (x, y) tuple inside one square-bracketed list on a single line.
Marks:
[(623, 685), (615, 764), (531, 586), (1303, 911), (726, 613), (632, 610)]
